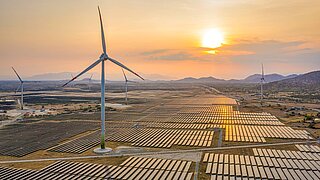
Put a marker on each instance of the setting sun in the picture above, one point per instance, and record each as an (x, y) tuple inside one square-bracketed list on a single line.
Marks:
[(212, 38)]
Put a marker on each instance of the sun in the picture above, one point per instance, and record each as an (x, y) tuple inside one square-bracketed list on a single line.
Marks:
[(212, 38)]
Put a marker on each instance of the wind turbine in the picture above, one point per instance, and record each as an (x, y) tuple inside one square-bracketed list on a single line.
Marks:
[(20, 87), (89, 82), (103, 57), (126, 84), (262, 80)]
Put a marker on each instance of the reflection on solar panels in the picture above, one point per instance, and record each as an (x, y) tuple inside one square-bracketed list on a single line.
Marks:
[(222, 114), (265, 164), (216, 100), (132, 168), (258, 133)]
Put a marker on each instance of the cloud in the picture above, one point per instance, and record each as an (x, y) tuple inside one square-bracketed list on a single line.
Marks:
[(156, 51), (175, 57), (245, 57), (242, 52)]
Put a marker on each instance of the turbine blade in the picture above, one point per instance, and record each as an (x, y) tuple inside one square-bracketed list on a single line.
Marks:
[(124, 67), (103, 40), (124, 75), (17, 74), (84, 71), (18, 88)]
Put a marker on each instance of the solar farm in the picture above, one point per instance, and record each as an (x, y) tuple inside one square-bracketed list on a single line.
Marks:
[(264, 164), (63, 148)]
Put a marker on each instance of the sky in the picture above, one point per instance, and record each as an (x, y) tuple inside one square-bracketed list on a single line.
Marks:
[(160, 39)]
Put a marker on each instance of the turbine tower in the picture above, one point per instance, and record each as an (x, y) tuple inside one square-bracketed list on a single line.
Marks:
[(103, 57), (126, 85), (262, 80), (20, 87)]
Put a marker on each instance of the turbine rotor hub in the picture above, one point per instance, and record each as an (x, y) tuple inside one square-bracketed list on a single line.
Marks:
[(104, 56)]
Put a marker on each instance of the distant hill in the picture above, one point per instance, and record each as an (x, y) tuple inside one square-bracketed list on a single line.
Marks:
[(268, 78), (200, 80), (308, 81)]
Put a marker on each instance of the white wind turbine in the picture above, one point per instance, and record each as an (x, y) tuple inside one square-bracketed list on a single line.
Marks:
[(20, 87), (262, 80), (126, 85), (103, 57)]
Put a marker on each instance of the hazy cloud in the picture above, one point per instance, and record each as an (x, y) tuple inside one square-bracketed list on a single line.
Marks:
[(156, 51), (244, 50), (174, 57)]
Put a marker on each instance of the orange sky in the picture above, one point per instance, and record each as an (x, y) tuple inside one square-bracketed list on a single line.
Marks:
[(160, 37)]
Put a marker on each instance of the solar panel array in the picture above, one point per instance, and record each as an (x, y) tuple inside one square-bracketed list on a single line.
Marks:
[(166, 138), (220, 100), (133, 168), (169, 125), (158, 125), (308, 148), (14, 173), (158, 138), (222, 114), (264, 164), (259, 133), (22, 139), (79, 145)]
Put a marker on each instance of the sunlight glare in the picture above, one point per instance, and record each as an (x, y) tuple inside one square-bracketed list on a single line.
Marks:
[(212, 38)]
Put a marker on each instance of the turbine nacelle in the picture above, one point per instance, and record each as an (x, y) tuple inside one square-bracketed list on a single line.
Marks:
[(104, 56)]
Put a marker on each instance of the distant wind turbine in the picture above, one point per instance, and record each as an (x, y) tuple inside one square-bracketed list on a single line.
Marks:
[(20, 87), (126, 85), (103, 57), (262, 80), (89, 84)]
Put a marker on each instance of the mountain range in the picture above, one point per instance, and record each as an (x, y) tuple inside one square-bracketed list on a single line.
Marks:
[(308, 81), (268, 78), (255, 78), (275, 82)]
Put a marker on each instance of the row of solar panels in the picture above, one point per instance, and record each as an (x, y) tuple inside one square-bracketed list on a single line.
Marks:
[(271, 173), (213, 100), (264, 161), (213, 120), (131, 169), (286, 154), (264, 131), (308, 148)]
